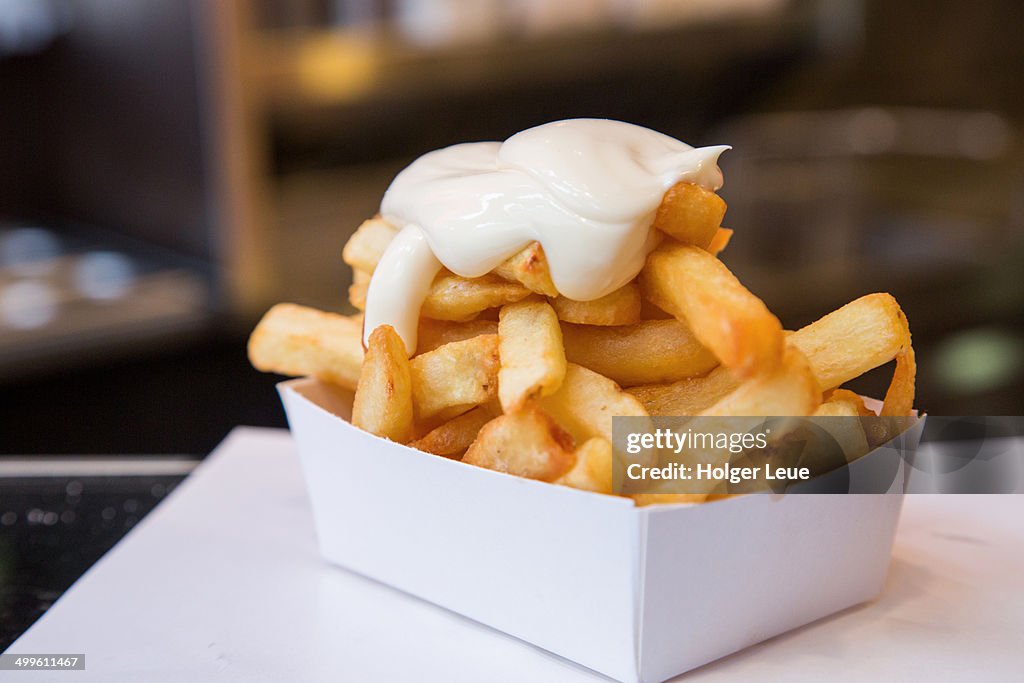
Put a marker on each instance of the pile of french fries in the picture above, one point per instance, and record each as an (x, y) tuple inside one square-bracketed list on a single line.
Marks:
[(511, 376)]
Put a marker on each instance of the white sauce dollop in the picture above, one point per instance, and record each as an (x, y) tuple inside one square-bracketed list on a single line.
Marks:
[(586, 189)]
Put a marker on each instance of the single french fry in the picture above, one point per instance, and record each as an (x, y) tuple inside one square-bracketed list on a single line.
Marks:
[(644, 499), (357, 290), (435, 333), (460, 299), (690, 214), (720, 241), (842, 402), (858, 337), (298, 341), (452, 438), (621, 307), (790, 390), (453, 298), (845, 410), (458, 376), (383, 401), (899, 399), (687, 396), (647, 352), (592, 470), (586, 402), (725, 317), (532, 356), (529, 268), (526, 443), (368, 243)]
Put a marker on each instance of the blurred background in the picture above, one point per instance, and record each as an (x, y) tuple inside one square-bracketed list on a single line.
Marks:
[(170, 168)]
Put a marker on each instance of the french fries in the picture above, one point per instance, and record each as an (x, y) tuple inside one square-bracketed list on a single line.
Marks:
[(858, 337), (358, 289), (455, 377), (720, 241), (586, 402), (435, 333), (789, 390), (529, 268), (592, 469), (848, 432), (453, 437), (532, 355), (300, 341), (383, 402), (842, 403), (456, 298), (690, 214), (899, 399), (621, 307), (526, 443), (364, 249), (647, 352), (688, 396), (699, 290), (511, 376)]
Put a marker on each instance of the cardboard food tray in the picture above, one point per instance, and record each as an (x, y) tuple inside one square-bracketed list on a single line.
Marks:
[(639, 594)]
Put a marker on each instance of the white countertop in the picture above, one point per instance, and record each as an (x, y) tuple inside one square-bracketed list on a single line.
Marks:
[(223, 582)]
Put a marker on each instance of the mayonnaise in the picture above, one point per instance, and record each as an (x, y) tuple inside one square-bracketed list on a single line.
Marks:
[(586, 189)]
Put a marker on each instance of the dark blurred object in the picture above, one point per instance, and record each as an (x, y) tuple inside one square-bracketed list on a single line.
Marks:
[(28, 26), (183, 400), (53, 528), (107, 125), (106, 204), (74, 297)]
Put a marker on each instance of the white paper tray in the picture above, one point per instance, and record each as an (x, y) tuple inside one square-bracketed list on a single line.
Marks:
[(639, 594)]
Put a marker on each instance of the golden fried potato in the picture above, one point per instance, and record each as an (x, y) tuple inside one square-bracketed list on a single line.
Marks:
[(790, 390), (455, 377), (296, 340), (529, 268), (847, 429), (687, 396), (690, 214), (526, 443), (435, 333), (621, 307), (649, 311), (452, 438), (720, 241), (532, 357), (456, 298), (586, 403), (367, 244), (725, 317), (357, 290), (647, 352), (899, 399), (592, 470), (383, 402), (842, 403), (644, 499), (848, 342)]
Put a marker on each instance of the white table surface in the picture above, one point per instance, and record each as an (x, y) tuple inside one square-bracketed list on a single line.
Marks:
[(223, 582)]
